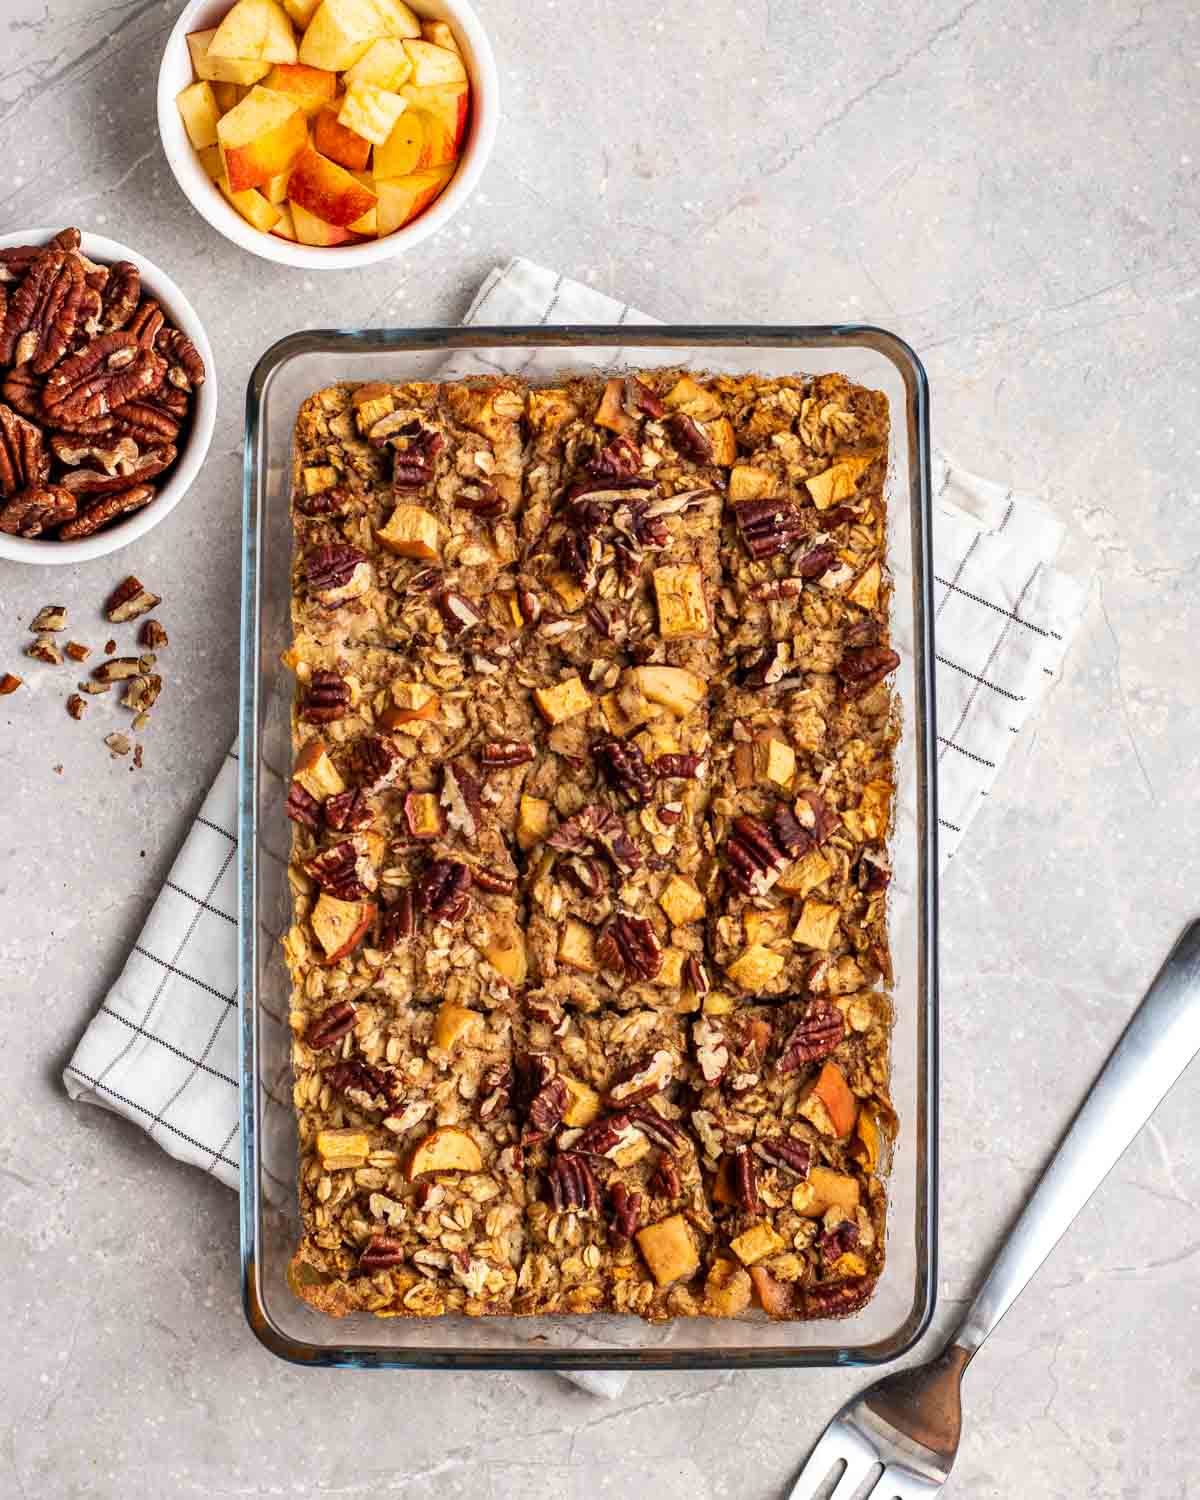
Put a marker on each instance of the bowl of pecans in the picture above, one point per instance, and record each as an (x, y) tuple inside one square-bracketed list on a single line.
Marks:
[(107, 396)]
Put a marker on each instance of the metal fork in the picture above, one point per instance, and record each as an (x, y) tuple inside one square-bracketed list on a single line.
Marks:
[(909, 1423)]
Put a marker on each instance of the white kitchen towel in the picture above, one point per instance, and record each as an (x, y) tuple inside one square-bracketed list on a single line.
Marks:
[(162, 1050)]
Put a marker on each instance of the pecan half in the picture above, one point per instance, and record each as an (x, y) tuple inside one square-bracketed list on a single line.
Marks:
[(302, 807), (334, 1022), (346, 812), (110, 371), (149, 422), (37, 510), (105, 509), (24, 461), (377, 763), (381, 1253), (119, 300), (153, 635), (572, 1185), (396, 923), (768, 527), (605, 1136), (862, 669), (630, 947), (481, 499), (146, 323), (44, 312), (744, 1180), (665, 1182), (837, 1299), (626, 769), (374, 1087), (501, 754), (597, 827), (22, 390), (679, 767), (816, 561), (340, 871), (662, 1132), (335, 573), (328, 698), (789, 833), (144, 467), (185, 368), (626, 1211), (813, 1038), (620, 459), (648, 1077), (547, 1107), (443, 890), (416, 447), (755, 860), (458, 612), (129, 600), (796, 1156)]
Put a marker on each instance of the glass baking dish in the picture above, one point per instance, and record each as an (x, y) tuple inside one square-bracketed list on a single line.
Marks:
[(900, 1310)]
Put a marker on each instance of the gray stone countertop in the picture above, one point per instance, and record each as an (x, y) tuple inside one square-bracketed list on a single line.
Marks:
[(1011, 187)]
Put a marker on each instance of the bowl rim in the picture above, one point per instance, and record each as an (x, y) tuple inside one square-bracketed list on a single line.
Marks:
[(203, 418), (206, 199)]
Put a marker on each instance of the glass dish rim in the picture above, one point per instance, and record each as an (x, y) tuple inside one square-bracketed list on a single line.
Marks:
[(436, 338)]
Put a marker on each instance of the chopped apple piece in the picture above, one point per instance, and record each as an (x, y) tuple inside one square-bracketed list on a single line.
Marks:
[(301, 11), (447, 105), (505, 951), (339, 33), (369, 223), (755, 967), (838, 482), (776, 761), (563, 701), (252, 206), (765, 926), (726, 1289), (411, 531), (313, 231), (371, 111), (340, 925), (433, 65), (244, 70), (445, 1150), (197, 107), (570, 594), (342, 1149), (398, 19), (227, 95), (276, 189), (869, 820), (255, 29), (690, 397), (328, 190), (865, 589), (809, 871), (825, 1189), (261, 136), (385, 64), (413, 702), (669, 1249), (440, 34), (682, 605), (757, 1242), (836, 1095), (451, 1024), (311, 88), (681, 900), (724, 441), (401, 199), (749, 483), (611, 412), (674, 688), (670, 976), (577, 946), (332, 139), (316, 773), (533, 821), (818, 925), (210, 160), (406, 150), (423, 815), (318, 478), (775, 1297), (583, 1103)]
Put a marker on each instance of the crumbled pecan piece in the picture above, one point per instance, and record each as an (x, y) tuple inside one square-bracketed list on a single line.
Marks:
[(836, 1241), (129, 600), (381, 1253), (813, 1038), (94, 687), (661, 1131), (443, 890), (547, 1108), (620, 459), (142, 468), (24, 462), (153, 635), (665, 1181), (768, 527), (142, 693), (325, 503), (626, 769), (873, 872), (46, 649), (336, 573), (458, 612), (755, 860), (334, 1022), (377, 762), (363, 1083), (837, 1298), (501, 754), (495, 1089), (44, 312), (494, 884), (816, 561), (415, 447), (76, 706), (571, 1183), (696, 976), (481, 499), (777, 588), (9, 684), (462, 801), (789, 833), (823, 818), (340, 871), (626, 1211), (302, 807), (396, 923), (604, 1136), (328, 698), (347, 812), (585, 874), (679, 767), (119, 744), (765, 666), (117, 669), (36, 510), (796, 1156), (648, 1077), (596, 826), (690, 438), (107, 508), (862, 669), (49, 617)]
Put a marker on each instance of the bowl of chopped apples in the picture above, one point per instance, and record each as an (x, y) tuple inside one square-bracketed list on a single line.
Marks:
[(327, 133)]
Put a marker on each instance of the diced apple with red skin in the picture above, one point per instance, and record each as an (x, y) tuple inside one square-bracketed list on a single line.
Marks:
[(406, 150), (256, 29), (313, 231), (197, 107), (434, 65), (445, 1150), (311, 88), (340, 925), (327, 190), (244, 70), (401, 199), (447, 106), (332, 139), (340, 32), (260, 137)]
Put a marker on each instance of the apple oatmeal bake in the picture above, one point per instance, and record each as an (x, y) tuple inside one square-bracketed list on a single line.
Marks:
[(591, 794)]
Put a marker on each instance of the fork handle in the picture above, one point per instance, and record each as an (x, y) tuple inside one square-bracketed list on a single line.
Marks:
[(1159, 1042)]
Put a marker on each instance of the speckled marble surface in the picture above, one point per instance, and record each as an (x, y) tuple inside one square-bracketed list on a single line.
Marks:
[(1014, 189)]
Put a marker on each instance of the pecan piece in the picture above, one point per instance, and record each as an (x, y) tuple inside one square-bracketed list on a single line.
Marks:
[(789, 833), (585, 874), (765, 666), (768, 527), (630, 947), (113, 455), (120, 297), (24, 462), (796, 1156), (443, 891), (416, 447), (375, 1087), (644, 1079), (481, 499), (142, 693), (118, 744), (665, 1182), (334, 1022), (36, 510), (49, 617), (76, 706), (9, 684), (501, 754), (185, 368), (340, 872), (153, 635), (626, 1211), (495, 1089), (816, 561), (620, 459), (755, 860), (690, 438), (626, 769), (712, 1049), (605, 1136), (572, 1184), (77, 651), (679, 767), (144, 467), (813, 1038), (377, 762), (146, 323), (862, 669), (744, 1180), (302, 807), (662, 1132), (22, 390), (596, 826), (45, 649), (129, 600), (396, 923), (493, 884), (836, 1241), (336, 573), (347, 812), (547, 1107), (838, 1298), (381, 1253), (696, 976), (328, 698), (43, 312), (458, 612), (462, 801), (117, 669), (823, 818), (110, 371)]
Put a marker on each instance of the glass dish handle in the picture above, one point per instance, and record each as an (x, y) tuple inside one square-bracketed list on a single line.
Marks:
[(1159, 1042)]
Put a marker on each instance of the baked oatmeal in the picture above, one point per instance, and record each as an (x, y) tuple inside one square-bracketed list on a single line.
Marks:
[(592, 787)]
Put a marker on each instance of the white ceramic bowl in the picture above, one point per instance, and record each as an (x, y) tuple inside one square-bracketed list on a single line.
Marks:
[(196, 439), (175, 73)]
